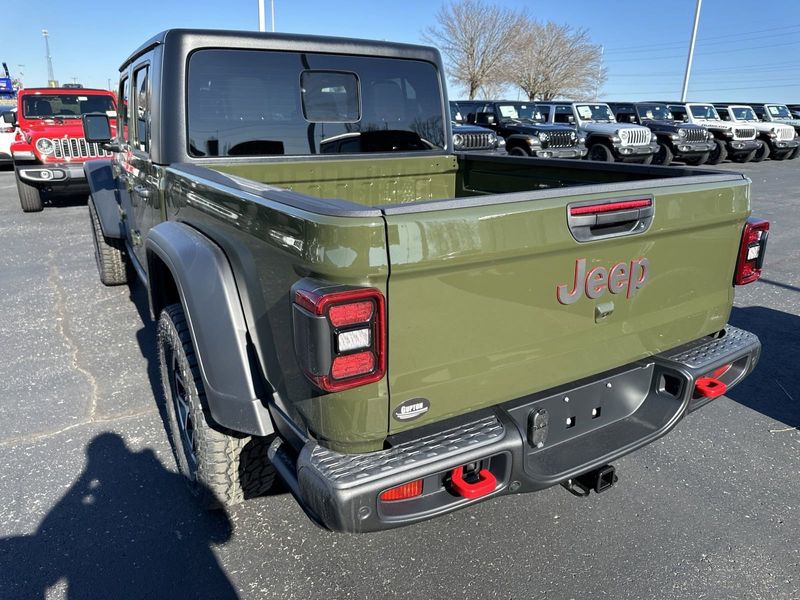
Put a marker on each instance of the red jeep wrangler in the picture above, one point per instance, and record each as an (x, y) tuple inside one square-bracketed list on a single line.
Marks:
[(50, 149)]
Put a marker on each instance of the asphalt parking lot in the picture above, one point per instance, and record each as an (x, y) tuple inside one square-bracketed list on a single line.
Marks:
[(91, 504)]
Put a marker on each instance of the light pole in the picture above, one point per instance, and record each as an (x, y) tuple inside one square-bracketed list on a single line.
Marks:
[(691, 51), (262, 18), (21, 75), (51, 78)]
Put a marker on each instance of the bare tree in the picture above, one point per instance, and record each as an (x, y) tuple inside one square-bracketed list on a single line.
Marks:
[(476, 39), (554, 60)]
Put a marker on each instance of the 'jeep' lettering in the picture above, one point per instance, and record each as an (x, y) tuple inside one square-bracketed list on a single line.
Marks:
[(622, 277)]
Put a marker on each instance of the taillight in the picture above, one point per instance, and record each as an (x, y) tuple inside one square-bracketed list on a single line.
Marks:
[(339, 334), (751, 251), (6, 129)]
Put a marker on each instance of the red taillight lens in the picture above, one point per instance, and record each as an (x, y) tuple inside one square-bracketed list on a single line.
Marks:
[(412, 489), (6, 129), (342, 343), (751, 251)]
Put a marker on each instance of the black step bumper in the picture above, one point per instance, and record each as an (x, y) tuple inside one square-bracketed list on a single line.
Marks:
[(525, 445)]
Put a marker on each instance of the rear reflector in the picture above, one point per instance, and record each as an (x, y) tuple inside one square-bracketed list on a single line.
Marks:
[(605, 207), (751, 251), (412, 489)]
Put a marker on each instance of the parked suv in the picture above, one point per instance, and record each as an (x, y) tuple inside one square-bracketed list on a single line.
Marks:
[(607, 140), (471, 138), (777, 140), (737, 142), (684, 141), (778, 113), (7, 129), (50, 149), (526, 131)]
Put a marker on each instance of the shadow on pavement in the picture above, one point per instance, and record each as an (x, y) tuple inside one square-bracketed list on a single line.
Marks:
[(773, 389), (126, 528)]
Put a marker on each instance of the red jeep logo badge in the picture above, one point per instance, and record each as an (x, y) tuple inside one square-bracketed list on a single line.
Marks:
[(622, 277)]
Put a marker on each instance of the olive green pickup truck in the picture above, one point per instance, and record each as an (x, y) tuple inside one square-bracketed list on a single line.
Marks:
[(393, 329)]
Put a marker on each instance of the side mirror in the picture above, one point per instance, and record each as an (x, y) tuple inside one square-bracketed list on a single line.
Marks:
[(96, 128), (484, 118), (10, 117)]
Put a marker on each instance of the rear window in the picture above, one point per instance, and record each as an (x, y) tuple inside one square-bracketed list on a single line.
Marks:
[(257, 103)]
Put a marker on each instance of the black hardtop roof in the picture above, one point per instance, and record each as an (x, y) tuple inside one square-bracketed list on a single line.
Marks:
[(254, 40)]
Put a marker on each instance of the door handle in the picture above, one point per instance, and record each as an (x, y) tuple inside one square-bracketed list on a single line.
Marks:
[(143, 191)]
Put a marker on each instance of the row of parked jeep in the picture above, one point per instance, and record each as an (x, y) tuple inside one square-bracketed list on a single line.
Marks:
[(644, 132)]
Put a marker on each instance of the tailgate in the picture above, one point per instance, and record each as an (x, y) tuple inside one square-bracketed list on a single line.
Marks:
[(474, 313)]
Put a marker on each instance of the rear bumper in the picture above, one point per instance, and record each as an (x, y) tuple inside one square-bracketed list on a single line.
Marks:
[(54, 176), (527, 445)]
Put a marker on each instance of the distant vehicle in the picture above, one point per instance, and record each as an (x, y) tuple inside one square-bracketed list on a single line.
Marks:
[(777, 117), (676, 140), (778, 140), (72, 86), (7, 90), (607, 140), (7, 129), (737, 141), (471, 138), (50, 148), (525, 129), (795, 108)]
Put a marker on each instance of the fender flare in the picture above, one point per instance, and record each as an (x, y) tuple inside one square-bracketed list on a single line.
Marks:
[(103, 190), (210, 299)]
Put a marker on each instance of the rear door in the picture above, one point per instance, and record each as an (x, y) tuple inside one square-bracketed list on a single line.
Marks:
[(490, 303)]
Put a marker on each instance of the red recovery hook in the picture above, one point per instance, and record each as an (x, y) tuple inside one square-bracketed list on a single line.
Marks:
[(710, 387), (485, 485)]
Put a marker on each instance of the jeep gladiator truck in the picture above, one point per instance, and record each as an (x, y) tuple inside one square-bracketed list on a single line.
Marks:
[(526, 131), (50, 149), (402, 331), (777, 140), (607, 140), (676, 140), (778, 113), (737, 142)]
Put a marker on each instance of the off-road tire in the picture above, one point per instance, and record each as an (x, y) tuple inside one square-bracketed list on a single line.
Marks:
[(698, 160), (109, 253), (600, 153), (223, 467), (30, 198), (718, 154), (783, 155), (761, 153), (518, 151), (664, 156), (648, 160), (795, 153)]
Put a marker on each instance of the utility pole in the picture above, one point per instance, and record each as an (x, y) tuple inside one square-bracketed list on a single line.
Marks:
[(272, 11), (262, 15), (691, 51), (21, 75), (599, 71), (51, 78)]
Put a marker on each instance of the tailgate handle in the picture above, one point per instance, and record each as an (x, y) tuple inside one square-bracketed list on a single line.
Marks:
[(595, 220)]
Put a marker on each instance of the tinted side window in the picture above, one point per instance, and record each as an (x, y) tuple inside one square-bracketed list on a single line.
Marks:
[(124, 108), (256, 103), (141, 85)]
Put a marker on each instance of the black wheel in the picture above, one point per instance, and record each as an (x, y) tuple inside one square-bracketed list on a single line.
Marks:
[(518, 151), (109, 254), (743, 158), (695, 161), (783, 155), (600, 153), (648, 160), (718, 154), (759, 154), (664, 155), (795, 154), (29, 196), (221, 467)]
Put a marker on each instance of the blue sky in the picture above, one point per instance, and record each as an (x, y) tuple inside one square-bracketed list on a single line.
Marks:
[(746, 50)]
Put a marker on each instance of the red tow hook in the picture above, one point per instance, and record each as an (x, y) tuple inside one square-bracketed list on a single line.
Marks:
[(485, 485), (710, 387)]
